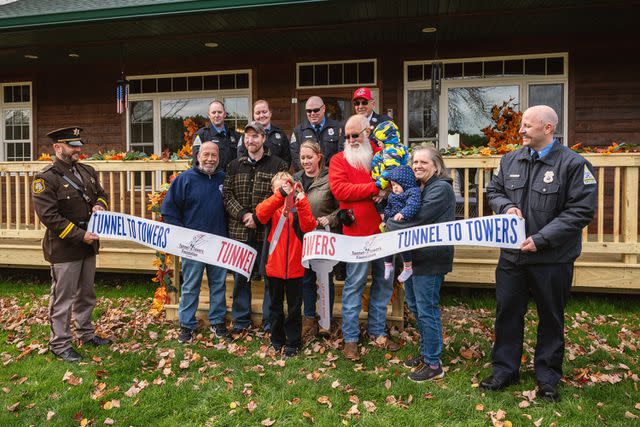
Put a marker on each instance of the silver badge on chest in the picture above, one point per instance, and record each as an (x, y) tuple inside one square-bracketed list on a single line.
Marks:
[(548, 177), (330, 131)]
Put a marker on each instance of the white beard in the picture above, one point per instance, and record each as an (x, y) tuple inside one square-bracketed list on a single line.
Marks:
[(359, 158)]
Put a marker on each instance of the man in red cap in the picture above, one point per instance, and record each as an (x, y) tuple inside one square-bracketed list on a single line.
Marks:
[(363, 104)]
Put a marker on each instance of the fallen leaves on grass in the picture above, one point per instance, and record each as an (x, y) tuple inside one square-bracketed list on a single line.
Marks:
[(267, 422), (324, 400), (71, 379)]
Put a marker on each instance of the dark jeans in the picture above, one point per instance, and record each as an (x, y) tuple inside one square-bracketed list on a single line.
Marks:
[(287, 330), (550, 285), (241, 305), (310, 293)]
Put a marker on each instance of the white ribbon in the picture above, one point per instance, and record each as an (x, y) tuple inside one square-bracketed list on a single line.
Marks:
[(499, 231), (321, 250), (191, 244)]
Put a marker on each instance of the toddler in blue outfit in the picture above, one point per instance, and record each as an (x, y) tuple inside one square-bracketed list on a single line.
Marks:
[(403, 204)]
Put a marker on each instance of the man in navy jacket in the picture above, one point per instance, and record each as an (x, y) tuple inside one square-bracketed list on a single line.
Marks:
[(194, 201)]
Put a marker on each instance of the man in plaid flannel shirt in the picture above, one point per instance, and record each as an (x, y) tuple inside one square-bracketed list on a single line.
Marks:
[(248, 182)]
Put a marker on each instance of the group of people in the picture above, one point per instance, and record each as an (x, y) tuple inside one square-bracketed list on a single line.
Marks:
[(267, 191)]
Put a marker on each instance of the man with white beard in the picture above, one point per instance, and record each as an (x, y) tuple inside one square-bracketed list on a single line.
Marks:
[(351, 184)]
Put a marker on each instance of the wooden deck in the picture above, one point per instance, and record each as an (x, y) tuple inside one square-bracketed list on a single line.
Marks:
[(609, 261)]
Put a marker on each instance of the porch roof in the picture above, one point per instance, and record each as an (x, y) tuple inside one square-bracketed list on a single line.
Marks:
[(107, 30)]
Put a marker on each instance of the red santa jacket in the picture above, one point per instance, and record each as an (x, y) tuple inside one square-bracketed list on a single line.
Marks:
[(286, 260), (354, 189)]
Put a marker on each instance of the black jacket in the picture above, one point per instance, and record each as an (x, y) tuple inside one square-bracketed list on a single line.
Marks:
[(277, 143), (376, 119), (330, 138), (438, 205), (227, 142), (557, 196)]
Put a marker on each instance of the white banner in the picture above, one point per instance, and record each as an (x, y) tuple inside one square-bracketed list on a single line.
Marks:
[(180, 241), (499, 231)]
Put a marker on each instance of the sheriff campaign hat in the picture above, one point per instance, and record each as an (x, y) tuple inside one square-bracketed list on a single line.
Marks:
[(69, 135)]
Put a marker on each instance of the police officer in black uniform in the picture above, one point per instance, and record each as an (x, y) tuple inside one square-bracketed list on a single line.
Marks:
[(554, 190), (364, 104), (218, 132), (277, 142), (318, 127), (64, 195)]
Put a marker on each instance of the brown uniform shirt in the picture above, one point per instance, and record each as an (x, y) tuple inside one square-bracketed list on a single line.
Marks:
[(63, 210)]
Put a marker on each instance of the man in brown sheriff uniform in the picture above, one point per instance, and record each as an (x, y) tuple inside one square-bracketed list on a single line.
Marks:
[(64, 195)]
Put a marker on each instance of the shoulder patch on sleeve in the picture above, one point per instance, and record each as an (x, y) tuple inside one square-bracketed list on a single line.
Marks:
[(293, 137), (38, 186), (497, 171), (587, 177), (197, 141)]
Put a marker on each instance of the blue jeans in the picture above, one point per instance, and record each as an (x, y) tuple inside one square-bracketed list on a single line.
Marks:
[(381, 291), (192, 272), (310, 293), (423, 299), (241, 306)]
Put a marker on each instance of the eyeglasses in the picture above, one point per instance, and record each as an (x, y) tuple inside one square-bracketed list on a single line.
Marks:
[(354, 135), (358, 103), (313, 110)]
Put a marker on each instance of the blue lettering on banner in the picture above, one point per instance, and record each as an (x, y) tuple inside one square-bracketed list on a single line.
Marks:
[(109, 225), (514, 237)]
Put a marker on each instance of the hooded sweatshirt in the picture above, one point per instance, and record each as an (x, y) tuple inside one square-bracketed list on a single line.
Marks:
[(408, 202)]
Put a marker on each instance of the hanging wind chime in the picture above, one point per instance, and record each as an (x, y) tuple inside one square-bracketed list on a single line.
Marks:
[(122, 95)]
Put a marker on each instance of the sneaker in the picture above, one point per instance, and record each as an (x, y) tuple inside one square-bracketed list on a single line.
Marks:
[(219, 330), (426, 373), (405, 274), (290, 351), (277, 347), (186, 335), (414, 362), (388, 270)]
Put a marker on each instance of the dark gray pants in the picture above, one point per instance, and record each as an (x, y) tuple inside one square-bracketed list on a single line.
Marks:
[(72, 291)]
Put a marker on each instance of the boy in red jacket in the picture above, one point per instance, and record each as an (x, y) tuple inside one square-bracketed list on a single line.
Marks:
[(288, 219)]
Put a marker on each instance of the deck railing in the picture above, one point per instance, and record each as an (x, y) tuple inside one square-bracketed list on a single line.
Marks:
[(610, 242), (128, 185), (614, 229)]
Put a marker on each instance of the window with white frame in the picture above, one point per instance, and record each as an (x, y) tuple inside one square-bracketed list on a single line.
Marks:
[(161, 106), (16, 132), (471, 87)]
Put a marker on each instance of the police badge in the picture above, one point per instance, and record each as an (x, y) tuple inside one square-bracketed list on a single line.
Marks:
[(548, 177), (330, 131)]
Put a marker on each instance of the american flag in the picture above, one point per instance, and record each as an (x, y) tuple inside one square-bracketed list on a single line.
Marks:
[(122, 96)]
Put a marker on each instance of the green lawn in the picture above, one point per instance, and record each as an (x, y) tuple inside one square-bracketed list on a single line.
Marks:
[(147, 378)]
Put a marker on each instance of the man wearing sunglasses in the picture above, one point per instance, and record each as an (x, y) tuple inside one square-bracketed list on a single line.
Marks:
[(319, 127), (351, 184), (364, 104)]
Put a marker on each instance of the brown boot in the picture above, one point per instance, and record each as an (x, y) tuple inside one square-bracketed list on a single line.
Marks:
[(309, 328), (384, 343), (350, 351)]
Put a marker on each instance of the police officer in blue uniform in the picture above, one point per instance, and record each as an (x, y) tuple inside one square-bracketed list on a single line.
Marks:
[(277, 141), (218, 132), (554, 190), (318, 127)]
